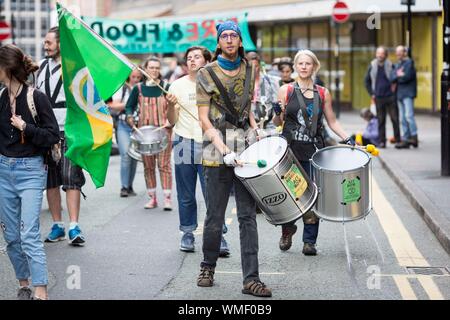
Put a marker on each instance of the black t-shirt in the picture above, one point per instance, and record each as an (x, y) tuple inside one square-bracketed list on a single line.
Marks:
[(37, 137)]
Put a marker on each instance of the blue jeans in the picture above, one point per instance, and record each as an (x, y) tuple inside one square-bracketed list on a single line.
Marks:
[(127, 164), (187, 156), (406, 110), (22, 183)]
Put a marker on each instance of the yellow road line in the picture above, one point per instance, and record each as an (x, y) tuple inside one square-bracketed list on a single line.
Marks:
[(405, 288), (431, 288), (403, 246)]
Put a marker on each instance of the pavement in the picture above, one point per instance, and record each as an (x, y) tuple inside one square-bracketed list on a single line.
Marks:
[(417, 172)]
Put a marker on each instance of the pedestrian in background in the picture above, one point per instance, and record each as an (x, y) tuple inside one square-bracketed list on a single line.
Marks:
[(127, 164), (24, 141), (404, 75), (286, 70), (382, 91)]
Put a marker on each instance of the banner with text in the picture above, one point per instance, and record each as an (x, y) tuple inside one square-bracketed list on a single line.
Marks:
[(168, 35)]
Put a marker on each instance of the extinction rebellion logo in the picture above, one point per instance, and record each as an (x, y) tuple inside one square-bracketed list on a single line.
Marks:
[(87, 97), (275, 199)]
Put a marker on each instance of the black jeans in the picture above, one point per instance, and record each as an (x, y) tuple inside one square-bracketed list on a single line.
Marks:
[(387, 105), (219, 181)]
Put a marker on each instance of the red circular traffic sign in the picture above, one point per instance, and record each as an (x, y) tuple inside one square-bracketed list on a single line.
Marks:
[(341, 12), (5, 31)]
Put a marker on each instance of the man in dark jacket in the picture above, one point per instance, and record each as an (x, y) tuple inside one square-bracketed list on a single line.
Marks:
[(404, 75), (380, 88)]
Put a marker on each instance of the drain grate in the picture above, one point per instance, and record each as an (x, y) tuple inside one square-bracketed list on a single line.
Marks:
[(435, 271)]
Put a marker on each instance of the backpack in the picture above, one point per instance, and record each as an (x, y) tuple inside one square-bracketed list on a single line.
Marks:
[(55, 150)]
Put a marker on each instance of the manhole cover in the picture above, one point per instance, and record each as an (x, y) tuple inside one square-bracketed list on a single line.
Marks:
[(435, 271)]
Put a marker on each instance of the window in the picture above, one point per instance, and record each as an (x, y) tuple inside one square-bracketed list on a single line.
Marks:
[(299, 36)]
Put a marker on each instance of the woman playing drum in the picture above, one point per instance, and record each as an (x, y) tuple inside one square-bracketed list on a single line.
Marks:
[(150, 100), (303, 107)]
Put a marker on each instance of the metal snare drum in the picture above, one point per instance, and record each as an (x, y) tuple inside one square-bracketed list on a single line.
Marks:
[(151, 142), (133, 153), (343, 175), (282, 189)]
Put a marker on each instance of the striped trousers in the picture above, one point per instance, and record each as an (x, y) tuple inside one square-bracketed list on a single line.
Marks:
[(164, 167)]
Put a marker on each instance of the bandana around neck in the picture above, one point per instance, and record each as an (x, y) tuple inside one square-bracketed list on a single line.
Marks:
[(227, 64)]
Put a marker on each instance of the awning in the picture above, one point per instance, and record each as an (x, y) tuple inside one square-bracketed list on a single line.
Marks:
[(260, 11)]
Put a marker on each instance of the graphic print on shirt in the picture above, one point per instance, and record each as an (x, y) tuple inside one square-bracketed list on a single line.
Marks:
[(303, 133)]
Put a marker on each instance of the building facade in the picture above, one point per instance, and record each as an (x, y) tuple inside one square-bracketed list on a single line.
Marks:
[(30, 20)]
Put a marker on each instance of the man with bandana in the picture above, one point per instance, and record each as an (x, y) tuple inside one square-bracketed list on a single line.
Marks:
[(224, 94)]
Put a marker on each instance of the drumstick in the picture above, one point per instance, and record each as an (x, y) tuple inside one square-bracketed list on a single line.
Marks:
[(159, 128), (260, 163), (165, 91), (138, 131)]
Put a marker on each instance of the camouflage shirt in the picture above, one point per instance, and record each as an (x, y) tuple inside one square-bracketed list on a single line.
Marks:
[(208, 95)]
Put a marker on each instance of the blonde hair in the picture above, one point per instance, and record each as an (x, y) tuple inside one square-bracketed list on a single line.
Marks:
[(314, 58)]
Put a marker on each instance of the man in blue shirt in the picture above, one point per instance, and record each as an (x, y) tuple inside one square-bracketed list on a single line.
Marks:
[(404, 75)]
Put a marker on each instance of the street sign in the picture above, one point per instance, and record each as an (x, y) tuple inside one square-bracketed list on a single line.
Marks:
[(5, 31), (340, 13)]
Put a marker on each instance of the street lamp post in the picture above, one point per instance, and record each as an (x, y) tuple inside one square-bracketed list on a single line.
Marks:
[(445, 95), (409, 3)]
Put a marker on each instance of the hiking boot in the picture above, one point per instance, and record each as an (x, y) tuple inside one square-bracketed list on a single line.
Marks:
[(76, 237), (151, 204), (224, 249), (123, 192), (56, 234), (286, 236), (187, 242), (206, 277), (167, 202), (131, 192), (24, 293), (309, 249), (402, 145)]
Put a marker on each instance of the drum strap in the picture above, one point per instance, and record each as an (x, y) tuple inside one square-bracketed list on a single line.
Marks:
[(231, 115), (312, 126)]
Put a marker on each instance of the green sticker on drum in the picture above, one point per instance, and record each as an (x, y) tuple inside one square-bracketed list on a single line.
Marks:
[(295, 181), (351, 190)]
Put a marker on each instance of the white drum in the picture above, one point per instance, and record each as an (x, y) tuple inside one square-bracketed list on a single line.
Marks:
[(282, 189)]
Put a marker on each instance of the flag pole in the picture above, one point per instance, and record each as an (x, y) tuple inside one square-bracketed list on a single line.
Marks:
[(165, 91)]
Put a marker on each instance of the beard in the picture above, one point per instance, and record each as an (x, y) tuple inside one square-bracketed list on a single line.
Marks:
[(55, 54)]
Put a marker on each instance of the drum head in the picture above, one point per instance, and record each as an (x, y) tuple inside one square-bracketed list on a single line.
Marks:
[(340, 158), (269, 149)]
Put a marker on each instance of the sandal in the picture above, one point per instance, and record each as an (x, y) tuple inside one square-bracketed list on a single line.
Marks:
[(257, 289)]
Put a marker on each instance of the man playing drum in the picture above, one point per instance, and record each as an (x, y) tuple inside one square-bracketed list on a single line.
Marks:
[(224, 93), (303, 107)]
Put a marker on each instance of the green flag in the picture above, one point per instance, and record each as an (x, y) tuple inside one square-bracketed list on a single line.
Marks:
[(92, 71)]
